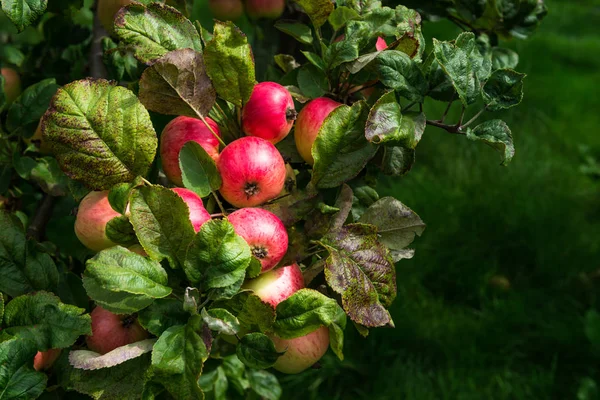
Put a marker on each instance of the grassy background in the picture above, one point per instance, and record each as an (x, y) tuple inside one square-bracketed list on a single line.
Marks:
[(533, 225)]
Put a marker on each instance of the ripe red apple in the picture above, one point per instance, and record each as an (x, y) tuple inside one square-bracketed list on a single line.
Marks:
[(106, 12), (177, 133), (309, 122), (275, 286), (198, 214), (270, 113), (381, 44), (226, 10), (264, 233), (271, 9), (302, 352), (12, 84), (43, 360), (110, 331), (252, 171), (93, 214)]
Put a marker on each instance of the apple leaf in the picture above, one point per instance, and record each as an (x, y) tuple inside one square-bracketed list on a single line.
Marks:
[(1, 306), (317, 10), (251, 312), (23, 13), (257, 350), (161, 315), (162, 224), (178, 356), (120, 231), (221, 320), (360, 268), (119, 195), (90, 360), (217, 257), (24, 269), (496, 134), (100, 133), (230, 64), (397, 225), (297, 30), (306, 311), (154, 29), (503, 90), (18, 379), (398, 71), (124, 282), (198, 170), (25, 112), (296, 206), (341, 150), (177, 84), (265, 384), (44, 320), (386, 124)]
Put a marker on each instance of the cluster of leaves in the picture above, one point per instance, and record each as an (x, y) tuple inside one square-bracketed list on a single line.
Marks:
[(188, 291)]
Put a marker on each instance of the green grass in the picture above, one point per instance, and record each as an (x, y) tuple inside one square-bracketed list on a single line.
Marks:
[(535, 222)]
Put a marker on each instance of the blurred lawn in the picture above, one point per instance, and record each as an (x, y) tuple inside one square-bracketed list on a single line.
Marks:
[(536, 223)]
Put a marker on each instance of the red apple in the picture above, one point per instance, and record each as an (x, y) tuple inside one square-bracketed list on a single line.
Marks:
[(226, 10), (381, 44), (275, 286), (43, 360), (270, 113), (93, 214), (252, 171), (271, 9), (198, 214), (110, 331), (177, 133), (302, 352), (106, 12), (264, 233), (12, 84), (309, 122)]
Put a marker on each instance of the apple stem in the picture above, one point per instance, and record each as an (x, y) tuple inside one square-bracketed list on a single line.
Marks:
[(224, 213), (211, 129)]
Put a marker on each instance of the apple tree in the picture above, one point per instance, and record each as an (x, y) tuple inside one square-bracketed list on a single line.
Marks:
[(185, 208)]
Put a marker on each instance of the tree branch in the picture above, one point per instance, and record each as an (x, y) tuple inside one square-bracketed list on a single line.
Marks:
[(37, 226), (97, 68), (450, 128)]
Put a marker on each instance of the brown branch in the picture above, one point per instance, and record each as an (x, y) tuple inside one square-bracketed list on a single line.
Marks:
[(97, 68), (37, 226), (450, 128)]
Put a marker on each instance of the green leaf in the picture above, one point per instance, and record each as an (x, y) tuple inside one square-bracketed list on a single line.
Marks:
[(89, 360), (25, 112), (341, 150), (12, 55), (503, 90), (226, 292), (162, 224), (592, 327), (191, 300), (504, 58), (338, 18), (265, 384), (198, 170), (360, 268), (24, 269), (229, 63), (124, 282), (317, 10), (100, 133), (2, 93), (119, 195), (18, 380), (155, 29), (257, 350), (297, 30), (397, 160), (384, 120), (312, 81), (340, 52), (235, 370), (397, 225), (177, 359), (44, 171), (23, 13), (464, 65), (306, 311), (161, 315), (120, 231), (398, 71), (315, 60), (256, 314), (496, 134), (1, 306), (177, 84), (218, 257), (221, 320), (44, 320), (286, 62)]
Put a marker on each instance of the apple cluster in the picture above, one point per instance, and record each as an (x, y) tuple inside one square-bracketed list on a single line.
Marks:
[(253, 172)]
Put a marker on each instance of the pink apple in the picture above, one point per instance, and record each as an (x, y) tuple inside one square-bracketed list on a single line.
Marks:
[(381, 44), (264, 233), (270, 113), (271, 9), (309, 122), (93, 214), (302, 352), (43, 360), (177, 133), (12, 84), (226, 10), (198, 214), (252, 171), (110, 331), (275, 286)]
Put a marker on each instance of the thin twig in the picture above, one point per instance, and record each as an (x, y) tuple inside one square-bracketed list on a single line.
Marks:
[(219, 204), (37, 226), (469, 122), (97, 68), (450, 128), (447, 108)]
